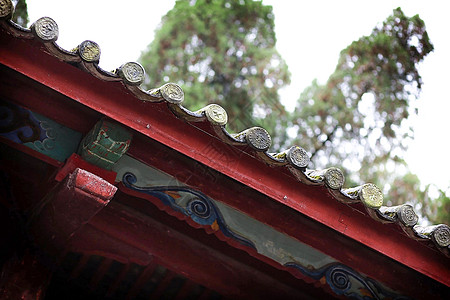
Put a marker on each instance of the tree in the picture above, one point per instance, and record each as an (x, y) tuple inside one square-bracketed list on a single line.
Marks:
[(357, 119), (221, 51), (435, 209), (440, 208), (21, 13)]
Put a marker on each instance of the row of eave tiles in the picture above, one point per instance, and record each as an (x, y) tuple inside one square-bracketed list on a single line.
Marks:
[(86, 56)]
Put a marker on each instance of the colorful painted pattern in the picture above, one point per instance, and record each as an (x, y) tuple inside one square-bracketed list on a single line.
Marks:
[(37, 132), (267, 241), (345, 281), (105, 144), (199, 207)]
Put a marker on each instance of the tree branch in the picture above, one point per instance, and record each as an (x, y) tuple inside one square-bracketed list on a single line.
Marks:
[(329, 138)]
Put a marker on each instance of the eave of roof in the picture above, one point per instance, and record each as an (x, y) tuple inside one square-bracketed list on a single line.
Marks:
[(234, 163)]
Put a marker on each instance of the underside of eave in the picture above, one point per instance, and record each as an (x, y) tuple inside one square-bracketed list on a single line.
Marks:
[(251, 167)]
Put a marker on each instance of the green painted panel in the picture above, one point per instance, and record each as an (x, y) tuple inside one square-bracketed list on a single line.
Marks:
[(60, 141), (105, 144), (37, 132)]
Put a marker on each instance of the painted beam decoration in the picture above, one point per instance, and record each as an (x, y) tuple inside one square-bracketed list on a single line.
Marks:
[(105, 144), (216, 216), (347, 282), (37, 132), (198, 207)]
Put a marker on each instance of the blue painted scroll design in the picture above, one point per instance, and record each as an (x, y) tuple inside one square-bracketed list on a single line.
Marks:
[(343, 280), (20, 126), (37, 132), (200, 208)]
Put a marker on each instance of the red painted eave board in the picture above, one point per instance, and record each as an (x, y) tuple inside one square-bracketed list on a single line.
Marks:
[(114, 101)]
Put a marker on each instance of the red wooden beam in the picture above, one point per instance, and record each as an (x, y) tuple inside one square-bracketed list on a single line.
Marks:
[(239, 276), (31, 152), (412, 284), (75, 161), (92, 241)]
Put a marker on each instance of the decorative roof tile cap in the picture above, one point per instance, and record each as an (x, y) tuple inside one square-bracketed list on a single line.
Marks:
[(6, 9), (45, 29), (369, 194), (258, 138), (132, 73), (89, 51), (297, 157), (215, 114), (439, 234), (333, 177), (170, 92), (403, 213)]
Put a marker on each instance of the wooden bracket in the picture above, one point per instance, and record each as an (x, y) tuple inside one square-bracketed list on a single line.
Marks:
[(67, 208)]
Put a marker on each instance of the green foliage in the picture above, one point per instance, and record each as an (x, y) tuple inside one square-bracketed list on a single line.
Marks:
[(407, 189), (356, 119), (21, 13), (223, 52), (440, 209)]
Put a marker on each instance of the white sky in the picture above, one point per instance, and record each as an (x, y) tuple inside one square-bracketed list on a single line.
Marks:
[(310, 35)]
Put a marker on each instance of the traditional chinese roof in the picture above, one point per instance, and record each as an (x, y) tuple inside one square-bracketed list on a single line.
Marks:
[(232, 154), (295, 159)]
